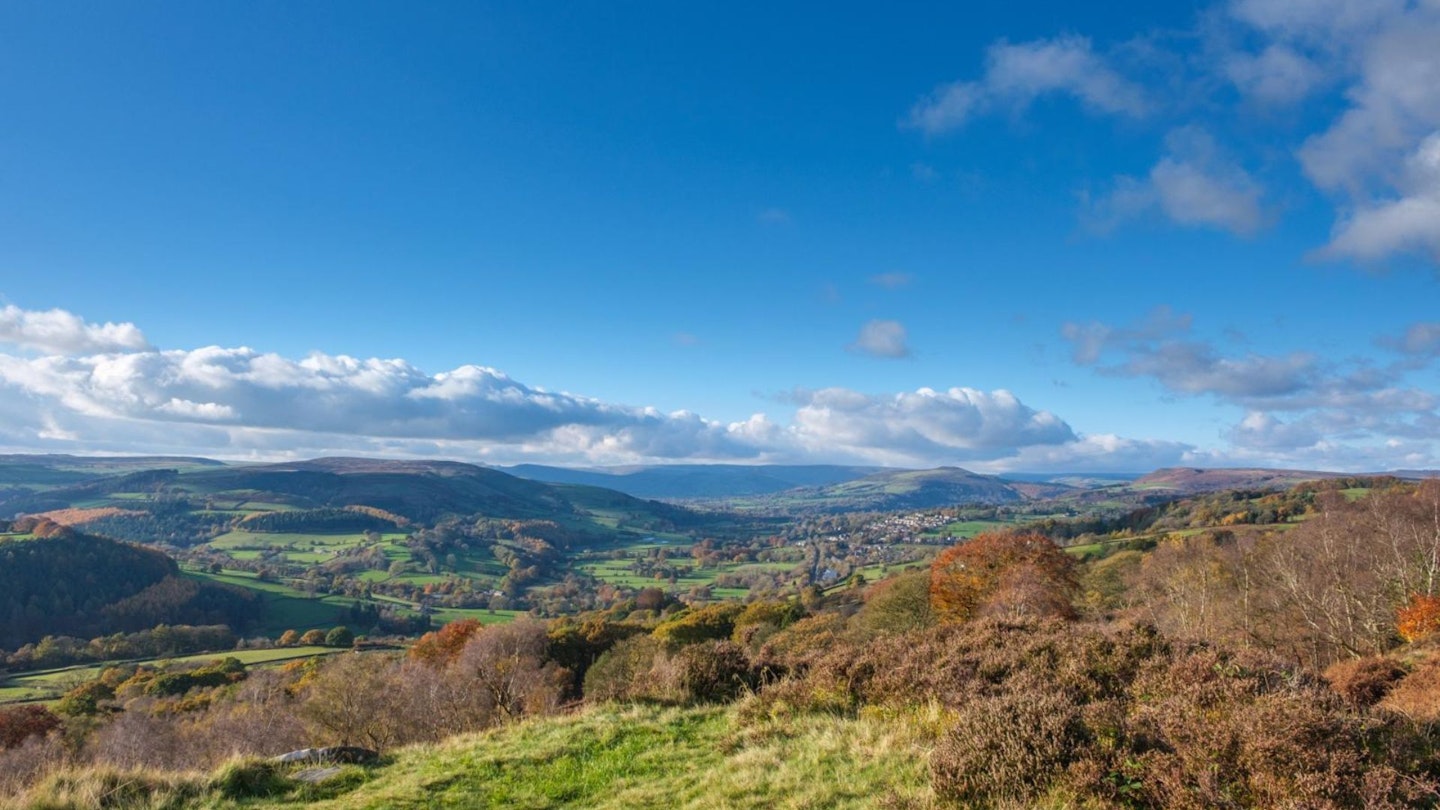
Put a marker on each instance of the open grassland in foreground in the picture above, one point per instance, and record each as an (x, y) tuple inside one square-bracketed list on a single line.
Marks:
[(608, 757)]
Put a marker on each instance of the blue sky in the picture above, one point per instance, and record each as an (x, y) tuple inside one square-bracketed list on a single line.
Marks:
[(1005, 236)]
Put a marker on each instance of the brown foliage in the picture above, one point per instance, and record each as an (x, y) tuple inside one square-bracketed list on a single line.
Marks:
[(714, 671), (1117, 716), (1364, 681), (1007, 748), (1417, 696), (1004, 575), (19, 723), (441, 647)]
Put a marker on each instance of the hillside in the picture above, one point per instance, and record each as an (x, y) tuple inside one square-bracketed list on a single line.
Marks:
[(697, 481), (58, 581), (914, 489), (418, 491), (1194, 480)]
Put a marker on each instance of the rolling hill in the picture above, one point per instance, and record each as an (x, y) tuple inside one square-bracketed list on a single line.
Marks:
[(697, 481), (916, 489), (417, 491)]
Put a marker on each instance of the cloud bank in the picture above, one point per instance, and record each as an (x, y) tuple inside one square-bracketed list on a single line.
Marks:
[(105, 389), (1299, 408)]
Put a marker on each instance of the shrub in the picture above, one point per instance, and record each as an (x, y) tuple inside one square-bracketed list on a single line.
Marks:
[(313, 638), (1417, 696), (708, 623), (897, 604), (1008, 748), (1003, 575), (715, 671), (339, 637), (440, 647), (251, 778), (85, 699), (625, 671), (19, 723), (1364, 681)]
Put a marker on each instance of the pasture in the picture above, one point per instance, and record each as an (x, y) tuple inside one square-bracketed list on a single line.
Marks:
[(50, 684)]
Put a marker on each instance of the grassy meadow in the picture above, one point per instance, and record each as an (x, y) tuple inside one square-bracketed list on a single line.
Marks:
[(606, 757)]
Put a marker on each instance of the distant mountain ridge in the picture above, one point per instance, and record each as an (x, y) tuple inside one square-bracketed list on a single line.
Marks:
[(920, 489), (697, 481), (421, 491), (1196, 479)]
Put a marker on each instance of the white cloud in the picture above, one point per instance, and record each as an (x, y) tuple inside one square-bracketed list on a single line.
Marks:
[(1409, 222), (62, 332), (1346, 408), (243, 403), (1017, 74), (1279, 74), (1322, 20), (882, 339), (1420, 341), (1103, 452), (1379, 157), (924, 426), (1193, 184)]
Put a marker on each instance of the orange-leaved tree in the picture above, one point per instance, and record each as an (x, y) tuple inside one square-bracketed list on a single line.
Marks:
[(1004, 574), (1419, 618), (440, 647)]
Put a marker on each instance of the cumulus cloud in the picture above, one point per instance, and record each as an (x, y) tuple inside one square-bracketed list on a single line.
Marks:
[(1297, 402), (882, 339), (62, 332), (336, 394), (1193, 184), (1017, 74), (1407, 222), (1279, 74), (956, 425), (1103, 452), (244, 403), (1377, 160), (1380, 157)]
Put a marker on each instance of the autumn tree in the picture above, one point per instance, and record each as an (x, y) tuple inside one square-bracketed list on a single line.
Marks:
[(1005, 574), (1420, 618), (508, 666), (897, 604), (348, 702), (442, 646)]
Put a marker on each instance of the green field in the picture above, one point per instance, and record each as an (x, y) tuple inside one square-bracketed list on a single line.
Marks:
[(271, 540), (968, 528), (50, 684), (285, 607)]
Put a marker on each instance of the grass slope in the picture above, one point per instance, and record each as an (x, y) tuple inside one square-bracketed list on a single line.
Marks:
[(611, 757)]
